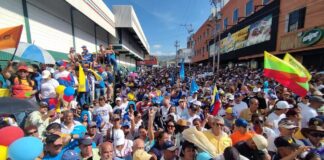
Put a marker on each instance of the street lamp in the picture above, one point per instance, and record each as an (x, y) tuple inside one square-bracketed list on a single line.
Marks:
[(215, 17)]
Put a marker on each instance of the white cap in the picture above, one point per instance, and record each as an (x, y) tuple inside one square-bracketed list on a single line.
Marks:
[(46, 74), (260, 141), (256, 89), (197, 103), (283, 105), (119, 137), (118, 99)]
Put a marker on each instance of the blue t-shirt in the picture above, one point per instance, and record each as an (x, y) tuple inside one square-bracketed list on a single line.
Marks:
[(88, 57), (70, 146)]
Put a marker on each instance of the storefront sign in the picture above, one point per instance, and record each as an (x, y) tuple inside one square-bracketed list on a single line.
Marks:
[(312, 36), (306, 38), (255, 33)]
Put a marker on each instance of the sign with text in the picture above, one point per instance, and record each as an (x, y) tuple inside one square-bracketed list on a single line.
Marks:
[(255, 33), (306, 38)]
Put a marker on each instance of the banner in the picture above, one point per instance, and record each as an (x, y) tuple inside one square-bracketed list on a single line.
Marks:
[(255, 33)]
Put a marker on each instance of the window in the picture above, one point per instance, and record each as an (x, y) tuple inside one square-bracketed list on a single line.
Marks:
[(265, 2), (218, 27), (235, 16), (225, 23), (249, 8), (296, 19)]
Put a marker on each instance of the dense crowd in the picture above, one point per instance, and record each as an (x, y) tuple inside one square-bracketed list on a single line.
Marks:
[(152, 114)]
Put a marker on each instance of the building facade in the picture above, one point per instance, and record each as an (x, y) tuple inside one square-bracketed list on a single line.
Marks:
[(58, 25), (249, 27)]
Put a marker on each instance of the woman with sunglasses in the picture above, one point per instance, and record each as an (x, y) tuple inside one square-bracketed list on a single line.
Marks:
[(23, 87)]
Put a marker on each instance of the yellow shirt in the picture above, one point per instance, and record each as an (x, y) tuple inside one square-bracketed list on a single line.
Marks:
[(220, 142)]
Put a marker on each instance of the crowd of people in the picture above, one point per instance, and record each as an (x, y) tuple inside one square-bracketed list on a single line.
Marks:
[(153, 114)]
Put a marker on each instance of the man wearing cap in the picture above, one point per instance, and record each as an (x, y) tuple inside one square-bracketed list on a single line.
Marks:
[(182, 110), (311, 110), (40, 118), (193, 112), (286, 128), (229, 117), (142, 155), (217, 136), (119, 106), (86, 150), (239, 105), (86, 56), (253, 148), (96, 137), (63, 76), (314, 136), (288, 148), (169, 151), (241, 132), (281, 109)]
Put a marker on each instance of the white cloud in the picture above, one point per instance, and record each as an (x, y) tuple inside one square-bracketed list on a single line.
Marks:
[(162, 53), (157, 46)]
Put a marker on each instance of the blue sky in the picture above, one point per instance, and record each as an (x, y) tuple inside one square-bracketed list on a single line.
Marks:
[(161, 20)]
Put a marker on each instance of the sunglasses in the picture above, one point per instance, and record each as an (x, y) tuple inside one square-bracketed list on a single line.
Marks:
[(32, 132), (320, 135), (219, 124), (101, 99), (170, 126), (116, 119), (258, 122)]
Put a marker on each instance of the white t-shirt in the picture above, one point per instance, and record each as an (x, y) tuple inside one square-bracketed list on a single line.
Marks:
[(307, 114), (126, 151), (238, 107), (48, 88), (165, 111), (67, 130), (274, 118), (191, 118), (121, 107), (103, 111)]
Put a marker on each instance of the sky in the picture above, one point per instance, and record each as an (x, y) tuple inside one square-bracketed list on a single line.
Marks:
[(161, 21)]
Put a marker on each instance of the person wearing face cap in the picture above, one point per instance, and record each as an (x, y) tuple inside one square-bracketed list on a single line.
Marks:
[(288, 149), (241, 132), (23, 87), (193, 112), (48, 86), (281, 108), (310, 111), (239, 105), (169, 151)]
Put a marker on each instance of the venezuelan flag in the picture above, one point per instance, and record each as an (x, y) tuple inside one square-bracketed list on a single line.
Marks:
[(216, 103)]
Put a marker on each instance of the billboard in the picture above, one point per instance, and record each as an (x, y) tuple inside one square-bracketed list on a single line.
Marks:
[(252, 34)]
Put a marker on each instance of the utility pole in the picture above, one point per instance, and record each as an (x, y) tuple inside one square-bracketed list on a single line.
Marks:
[(216, 17), (177, 45)]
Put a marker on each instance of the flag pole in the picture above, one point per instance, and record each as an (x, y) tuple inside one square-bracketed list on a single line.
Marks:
[(13, 56)]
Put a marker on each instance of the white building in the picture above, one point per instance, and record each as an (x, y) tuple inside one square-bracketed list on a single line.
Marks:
[(57, 25)]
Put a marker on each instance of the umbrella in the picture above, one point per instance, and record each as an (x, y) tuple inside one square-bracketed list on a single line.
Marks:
[(32, 52), (9, 105)]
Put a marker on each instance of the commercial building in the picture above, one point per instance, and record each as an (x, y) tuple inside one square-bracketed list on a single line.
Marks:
[(249, 27), (58, 25)]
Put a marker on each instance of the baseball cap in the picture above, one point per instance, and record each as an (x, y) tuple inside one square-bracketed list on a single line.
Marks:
[(23, 67), (119, 137), (229, 110), (273, 96), (197, 103), (70, 155), (231, 97), (92, 124), (237, 95), (283, 105), (260, 141), (315, 122), (284, 141), (118, 99), (241, 123), (141, 155), (43, 104), (86, 141), (169, 145), (316, 99), (84, 46), (126, 124), (46, 74), (286, 123)]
